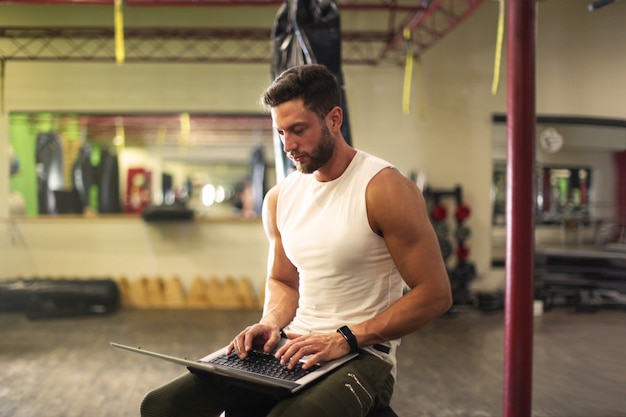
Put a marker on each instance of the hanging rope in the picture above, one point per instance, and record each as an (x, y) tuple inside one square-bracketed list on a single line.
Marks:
[(185, 130), (498, 57), (120, 135), (119, 31), (408, 72), (2, 86)]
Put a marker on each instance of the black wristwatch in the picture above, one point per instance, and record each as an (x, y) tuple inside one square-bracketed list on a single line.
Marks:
[(350, 338)]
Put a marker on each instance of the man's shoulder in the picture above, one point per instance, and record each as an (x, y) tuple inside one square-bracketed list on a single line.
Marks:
[(284, 186), (389, 182), (372, 164), (372, 159), (386, 177)]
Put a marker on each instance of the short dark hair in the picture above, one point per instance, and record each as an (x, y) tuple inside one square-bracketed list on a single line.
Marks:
[(313, 83)]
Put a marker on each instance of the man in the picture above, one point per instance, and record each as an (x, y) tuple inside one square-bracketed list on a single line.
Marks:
[(347, 231)]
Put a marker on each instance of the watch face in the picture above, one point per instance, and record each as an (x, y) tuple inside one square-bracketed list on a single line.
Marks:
[(551, 140)]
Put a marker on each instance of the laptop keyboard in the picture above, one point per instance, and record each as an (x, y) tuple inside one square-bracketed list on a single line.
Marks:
[(262, 363)]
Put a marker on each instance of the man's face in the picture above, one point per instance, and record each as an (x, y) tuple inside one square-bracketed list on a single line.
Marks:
[(306, 140)]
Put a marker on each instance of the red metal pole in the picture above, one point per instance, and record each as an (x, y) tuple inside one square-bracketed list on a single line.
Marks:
[(520, 215)]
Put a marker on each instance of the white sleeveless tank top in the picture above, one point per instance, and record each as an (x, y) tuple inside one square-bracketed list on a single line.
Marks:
[(346, 272)]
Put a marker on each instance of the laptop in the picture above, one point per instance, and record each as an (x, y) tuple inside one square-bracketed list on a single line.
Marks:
[(260, 371)]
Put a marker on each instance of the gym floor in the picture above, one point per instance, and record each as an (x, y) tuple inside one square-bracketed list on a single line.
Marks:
[(453, 367)]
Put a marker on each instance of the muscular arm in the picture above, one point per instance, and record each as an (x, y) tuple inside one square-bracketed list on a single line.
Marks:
[(281, 292), (397, 211), (281, 289)]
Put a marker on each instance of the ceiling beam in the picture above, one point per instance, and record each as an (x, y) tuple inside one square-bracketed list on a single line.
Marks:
[(396, 5), (428, 21), (182, 45)]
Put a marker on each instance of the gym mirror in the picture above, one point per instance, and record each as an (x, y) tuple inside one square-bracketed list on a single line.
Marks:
[(81, 164)]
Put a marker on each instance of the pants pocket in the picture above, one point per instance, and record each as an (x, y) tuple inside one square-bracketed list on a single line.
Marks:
[(353, 390)]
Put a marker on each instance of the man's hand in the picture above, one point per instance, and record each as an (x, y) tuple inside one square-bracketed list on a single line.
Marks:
[(322, 347), (255, 335)]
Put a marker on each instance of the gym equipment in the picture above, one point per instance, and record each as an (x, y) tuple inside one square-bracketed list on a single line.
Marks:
[(307, 32), (462, 233), (83, 175), (462, 212), (446, 248), (463, 271), (489, 302), (67, 202), (49, 158), (462, 252), (439, 213), (177, 211), (109, 184), (442, 229), (48, 298), (257, 179), (587, 279)]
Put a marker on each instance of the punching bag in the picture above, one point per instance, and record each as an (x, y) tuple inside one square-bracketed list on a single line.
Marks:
[(49, 159), (307, 32)]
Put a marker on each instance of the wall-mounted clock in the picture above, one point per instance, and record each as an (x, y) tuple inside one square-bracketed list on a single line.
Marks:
[(551, 140)]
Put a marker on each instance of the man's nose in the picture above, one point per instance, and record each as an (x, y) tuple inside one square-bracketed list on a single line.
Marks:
[(289, 144)]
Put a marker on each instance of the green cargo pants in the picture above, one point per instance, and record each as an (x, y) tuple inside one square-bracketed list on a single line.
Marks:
[(354, 390)]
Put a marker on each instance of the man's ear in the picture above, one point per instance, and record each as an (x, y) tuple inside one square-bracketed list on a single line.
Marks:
[(334, 118)]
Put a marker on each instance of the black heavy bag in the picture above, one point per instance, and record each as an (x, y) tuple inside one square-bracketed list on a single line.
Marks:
[(109, 184), (46, 298), (308, 32), (83, 175), (257, 178), (49, 159)]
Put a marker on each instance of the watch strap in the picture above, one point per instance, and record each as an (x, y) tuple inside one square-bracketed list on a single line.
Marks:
[(350, 338)]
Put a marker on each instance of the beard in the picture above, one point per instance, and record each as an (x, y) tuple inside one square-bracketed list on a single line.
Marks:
[(320, 155)]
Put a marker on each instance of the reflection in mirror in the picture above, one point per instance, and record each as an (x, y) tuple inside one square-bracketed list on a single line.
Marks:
[(576, 170), (579, 181), (217, 165), (561, 192)]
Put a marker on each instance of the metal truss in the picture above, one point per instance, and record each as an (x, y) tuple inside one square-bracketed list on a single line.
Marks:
[(431, 24), (398, 5), (427, 24)]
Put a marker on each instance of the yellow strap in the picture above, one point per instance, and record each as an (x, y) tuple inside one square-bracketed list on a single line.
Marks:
[(120, 135), (498, 57), (2, 86), (119, 32), (408, 73), (161, 135), (185, 130), (185, 124)]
